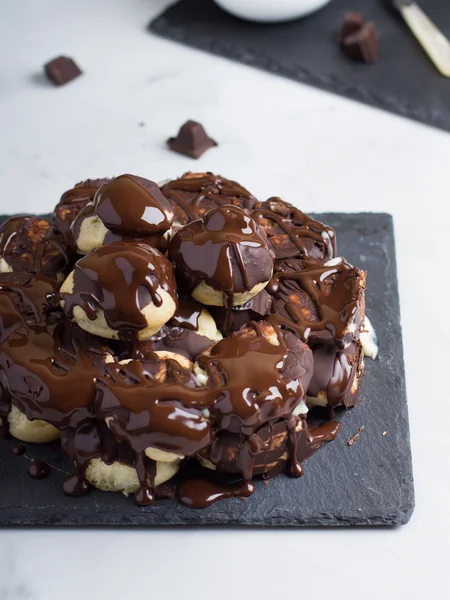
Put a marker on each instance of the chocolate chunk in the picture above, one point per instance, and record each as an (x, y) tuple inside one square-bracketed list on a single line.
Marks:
[(61, 70), (362, 45), (192, 140), (353, 21)]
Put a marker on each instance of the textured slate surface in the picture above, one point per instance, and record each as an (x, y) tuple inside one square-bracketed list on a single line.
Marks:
[(369, 483), (403, 81)]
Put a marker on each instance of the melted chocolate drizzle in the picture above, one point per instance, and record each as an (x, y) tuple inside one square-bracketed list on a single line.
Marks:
[(314, 298), (129, 207), (225, 249), (291, 233), (243, 419), (120, 279), (192, 195), (72, 202)]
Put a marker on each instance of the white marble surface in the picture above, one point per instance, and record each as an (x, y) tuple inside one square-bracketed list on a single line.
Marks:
[(276, 137)]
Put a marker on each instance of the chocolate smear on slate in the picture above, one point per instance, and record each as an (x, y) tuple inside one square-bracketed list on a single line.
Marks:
[(355, 437), (202, 492), (192, 140), (61, 70)]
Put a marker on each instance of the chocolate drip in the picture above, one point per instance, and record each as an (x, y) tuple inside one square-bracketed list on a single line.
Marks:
[(202, 492), (129, 207), (75, 485), (72, 202), (47, 367), (256, 381), (39, 469), (225, 249), (319, 299), (155, 404), (291, 233), (174, 339), (187, 314), (326, 432), (335, 371), (121, 280), (31, 244), (19, 450), (231, 320), (192, 195)]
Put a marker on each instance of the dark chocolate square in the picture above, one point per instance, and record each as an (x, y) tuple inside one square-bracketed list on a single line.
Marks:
[(61, 70), (367, 483)]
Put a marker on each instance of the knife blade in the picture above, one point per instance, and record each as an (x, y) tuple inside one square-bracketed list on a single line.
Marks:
[(433, 41)]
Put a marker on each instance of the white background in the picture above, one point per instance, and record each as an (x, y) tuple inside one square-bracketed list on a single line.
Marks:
[(320, 152)]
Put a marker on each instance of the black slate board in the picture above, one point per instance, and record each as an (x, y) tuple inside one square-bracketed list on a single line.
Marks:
[(370, 483), (403, 81)]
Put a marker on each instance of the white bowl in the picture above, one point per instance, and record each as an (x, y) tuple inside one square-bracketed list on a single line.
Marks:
[(266, 11)]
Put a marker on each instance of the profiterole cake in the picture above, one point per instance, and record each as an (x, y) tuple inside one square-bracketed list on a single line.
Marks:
[(179, 338)]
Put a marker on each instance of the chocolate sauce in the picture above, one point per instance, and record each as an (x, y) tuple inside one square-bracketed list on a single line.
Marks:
[(326, 432), (187, 313), (174, 339), (225, 249), (18, 450), (72, 202), (75, 485), (256, 382), (334, 372), (39, 469), (128, 206), (192, 195), (291, 233), (20, 238), (255, 309), (319, 298), (48, 367), (121, 279), (201, 493), (242, 420)]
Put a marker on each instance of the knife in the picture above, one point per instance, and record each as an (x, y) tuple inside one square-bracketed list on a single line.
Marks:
[(433, 41)]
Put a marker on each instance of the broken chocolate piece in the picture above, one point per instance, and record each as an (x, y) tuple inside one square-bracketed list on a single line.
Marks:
[(362, 45), (353, 21), (61, 70), (192, 140)]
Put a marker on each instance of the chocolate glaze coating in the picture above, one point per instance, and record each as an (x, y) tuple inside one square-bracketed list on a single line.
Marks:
[(225, 249), (121, 279), (73, 201), (31, 244), (131, 208), (258, 381), (335, 372), (47, 365), (242, 420), (318, 301), (232, 320), (292, 234), (192, 195)]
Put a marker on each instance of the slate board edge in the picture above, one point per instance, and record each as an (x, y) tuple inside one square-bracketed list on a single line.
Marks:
[(398, 514), (162, 27)]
